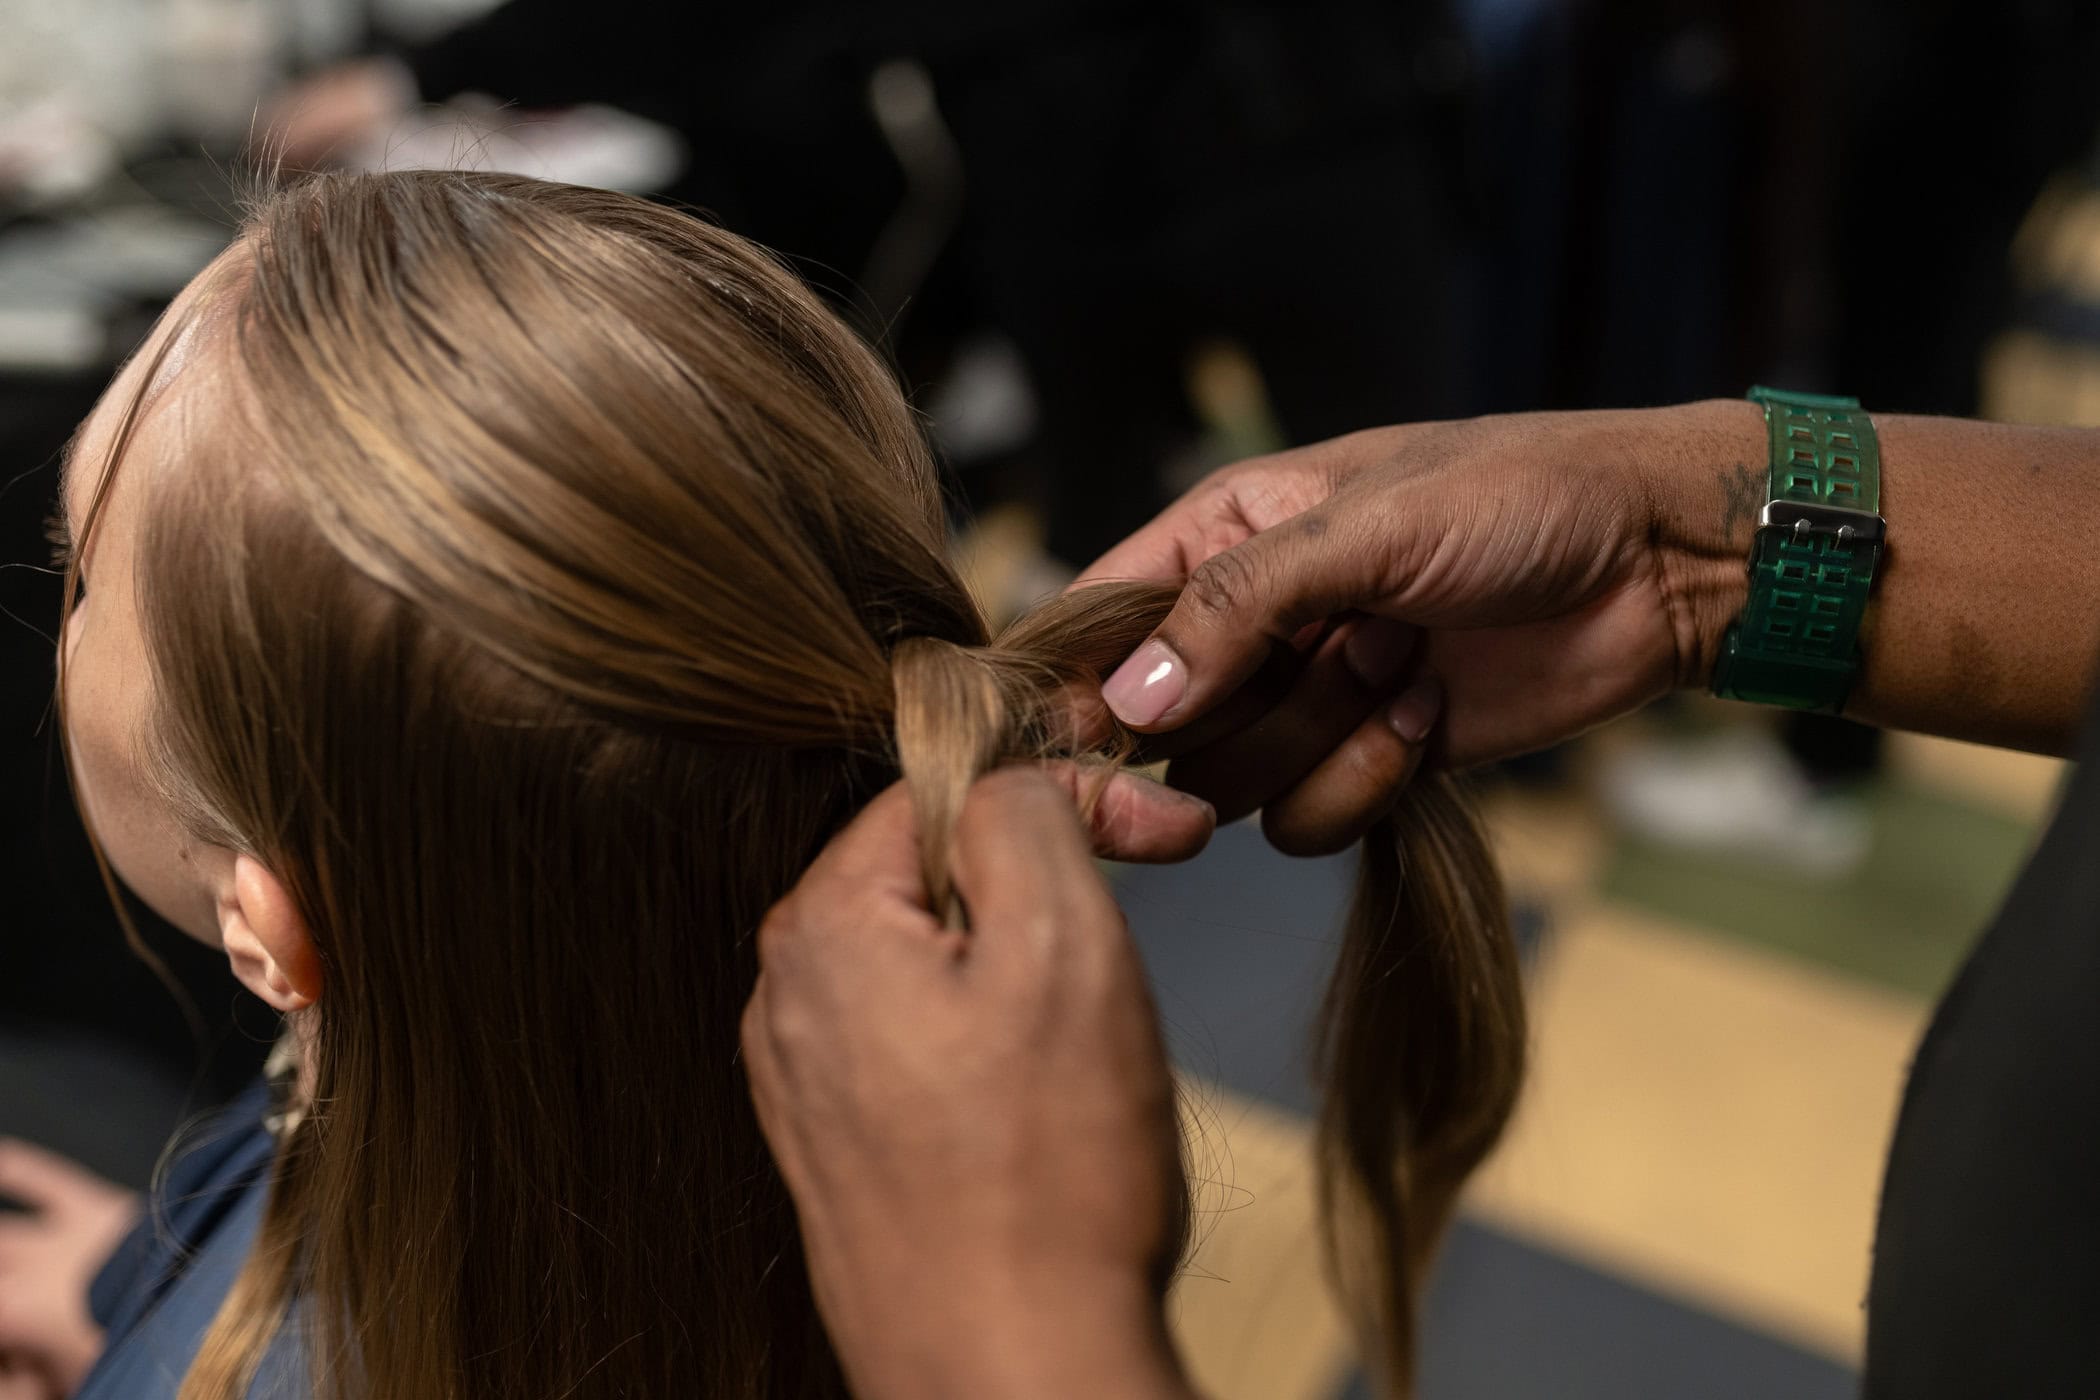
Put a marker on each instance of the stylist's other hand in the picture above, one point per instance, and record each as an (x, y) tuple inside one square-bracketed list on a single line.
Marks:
[(977, 1127), (48, 1257), (1523, 577)]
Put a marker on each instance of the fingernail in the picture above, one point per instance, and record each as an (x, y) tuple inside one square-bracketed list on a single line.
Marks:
[(1189, 799), (1148, 685), (1416, 710), (1155, 787), (1377, 649)]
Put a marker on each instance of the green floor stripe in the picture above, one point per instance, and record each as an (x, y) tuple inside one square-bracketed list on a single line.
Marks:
[(1935, 873)]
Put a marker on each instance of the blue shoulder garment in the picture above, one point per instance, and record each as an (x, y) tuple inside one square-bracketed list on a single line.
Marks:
[(159, 1291)]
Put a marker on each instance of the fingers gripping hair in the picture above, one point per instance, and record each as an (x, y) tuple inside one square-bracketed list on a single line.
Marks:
[(1420, 1041), (960, 711)]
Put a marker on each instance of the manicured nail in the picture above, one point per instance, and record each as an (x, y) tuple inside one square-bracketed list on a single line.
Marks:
[(1377, 649), (1148, 685), (1416, 710)]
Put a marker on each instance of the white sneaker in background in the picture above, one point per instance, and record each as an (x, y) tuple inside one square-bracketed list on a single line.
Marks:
[(1736, 793)]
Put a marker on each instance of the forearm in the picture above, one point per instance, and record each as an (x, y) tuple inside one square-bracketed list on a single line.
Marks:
[(1985, 619)]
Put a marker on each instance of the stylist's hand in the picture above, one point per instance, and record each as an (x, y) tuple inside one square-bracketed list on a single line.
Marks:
[(977, 1127), (1525, 577)]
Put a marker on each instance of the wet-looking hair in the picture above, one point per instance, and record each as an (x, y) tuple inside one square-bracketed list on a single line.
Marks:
[(555, 576)]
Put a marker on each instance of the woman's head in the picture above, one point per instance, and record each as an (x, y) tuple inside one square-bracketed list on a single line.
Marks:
[(496, 592), (492, 589), (623, 461)]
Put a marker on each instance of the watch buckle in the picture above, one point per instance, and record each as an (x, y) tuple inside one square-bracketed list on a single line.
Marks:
[(1802, 519)]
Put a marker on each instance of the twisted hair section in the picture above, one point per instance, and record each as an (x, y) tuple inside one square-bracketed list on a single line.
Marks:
[(1421, 1037), (957, 717)]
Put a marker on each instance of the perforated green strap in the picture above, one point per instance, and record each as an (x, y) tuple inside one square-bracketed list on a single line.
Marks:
[(1812, 567)]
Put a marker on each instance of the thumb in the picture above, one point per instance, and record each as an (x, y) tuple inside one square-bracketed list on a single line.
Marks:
[(1132, 818), (1235, 608)]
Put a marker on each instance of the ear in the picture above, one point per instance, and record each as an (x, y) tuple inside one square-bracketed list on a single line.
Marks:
[(266, 939)]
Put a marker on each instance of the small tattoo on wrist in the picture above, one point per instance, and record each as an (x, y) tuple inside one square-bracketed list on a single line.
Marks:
[(1742, 498)]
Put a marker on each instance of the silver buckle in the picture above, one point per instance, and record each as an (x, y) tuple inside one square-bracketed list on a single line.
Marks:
[(1805, 518)]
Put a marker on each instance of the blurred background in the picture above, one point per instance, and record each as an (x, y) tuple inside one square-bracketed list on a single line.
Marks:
[(1108, 247)]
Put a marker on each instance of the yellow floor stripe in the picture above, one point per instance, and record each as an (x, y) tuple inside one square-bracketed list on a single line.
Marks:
[(2022, 785), (1706, 1118), (1702, 1119), (1252, 1313)]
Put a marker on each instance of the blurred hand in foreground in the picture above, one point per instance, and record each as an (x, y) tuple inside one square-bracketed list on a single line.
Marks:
[(48, 1257)]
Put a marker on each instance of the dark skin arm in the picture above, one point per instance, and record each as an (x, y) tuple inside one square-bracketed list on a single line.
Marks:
[(1985, 622), (1568, 568)]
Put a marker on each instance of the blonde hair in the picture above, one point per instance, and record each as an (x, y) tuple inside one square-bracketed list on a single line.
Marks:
[(563, 577)]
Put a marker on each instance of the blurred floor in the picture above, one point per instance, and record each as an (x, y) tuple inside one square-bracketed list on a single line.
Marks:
[(1685, 1203)]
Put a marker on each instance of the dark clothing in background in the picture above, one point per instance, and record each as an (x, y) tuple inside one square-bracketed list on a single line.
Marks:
[(1986, 1276), (771, 101), (1987, 1257), (1954, 117), (1610, 205), (1136, 177)]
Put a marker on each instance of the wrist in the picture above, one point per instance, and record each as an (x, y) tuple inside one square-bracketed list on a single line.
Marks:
[(1704, 471), (1016, 1341)]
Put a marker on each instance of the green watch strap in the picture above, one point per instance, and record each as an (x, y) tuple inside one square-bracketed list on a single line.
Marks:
[(1812, 566)]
